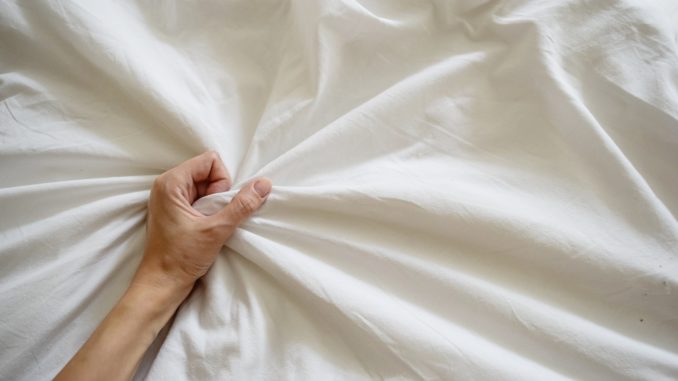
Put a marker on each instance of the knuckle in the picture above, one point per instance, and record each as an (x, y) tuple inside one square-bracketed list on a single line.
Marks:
[(158, 183), (225, 228), (213, 232), (212, 154), (245, 205)]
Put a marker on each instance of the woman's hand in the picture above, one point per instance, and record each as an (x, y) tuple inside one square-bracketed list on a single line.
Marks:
[(181, 246), (182, 243)]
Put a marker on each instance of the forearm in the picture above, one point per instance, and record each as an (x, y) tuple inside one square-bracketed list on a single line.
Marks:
[(116, 347)]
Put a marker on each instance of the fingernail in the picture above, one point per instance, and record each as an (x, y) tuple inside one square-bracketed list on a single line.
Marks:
[(262, 187)]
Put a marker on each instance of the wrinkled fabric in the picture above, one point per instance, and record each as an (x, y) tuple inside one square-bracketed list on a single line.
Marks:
[(463, 190)]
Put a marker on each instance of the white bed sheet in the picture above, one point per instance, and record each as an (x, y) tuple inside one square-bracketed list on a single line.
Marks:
[(468, 190)]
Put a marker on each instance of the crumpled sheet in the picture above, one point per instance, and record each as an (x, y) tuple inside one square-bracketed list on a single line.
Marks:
[(464, 190)]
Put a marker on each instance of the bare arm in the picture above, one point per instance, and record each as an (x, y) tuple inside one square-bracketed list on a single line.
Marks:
[(181, 246)]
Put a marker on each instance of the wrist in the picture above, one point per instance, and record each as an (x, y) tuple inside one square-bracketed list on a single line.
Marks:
[(156, 289), (152, 303), (158, 272)]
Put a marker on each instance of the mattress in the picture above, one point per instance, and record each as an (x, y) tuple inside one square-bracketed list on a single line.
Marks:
[(463, 190)]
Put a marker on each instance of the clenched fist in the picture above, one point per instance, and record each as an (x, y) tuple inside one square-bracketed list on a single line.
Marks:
[(182, 242)]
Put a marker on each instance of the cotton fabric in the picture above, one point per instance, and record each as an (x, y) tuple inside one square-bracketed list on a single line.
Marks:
[(463, 190)]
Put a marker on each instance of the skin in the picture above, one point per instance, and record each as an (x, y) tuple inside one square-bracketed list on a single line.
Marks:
[(181, 246)]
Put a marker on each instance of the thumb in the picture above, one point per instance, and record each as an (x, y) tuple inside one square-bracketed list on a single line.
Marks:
[(246, 202)]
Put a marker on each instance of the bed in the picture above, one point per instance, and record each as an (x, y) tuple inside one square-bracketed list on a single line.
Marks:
[(463, 190)]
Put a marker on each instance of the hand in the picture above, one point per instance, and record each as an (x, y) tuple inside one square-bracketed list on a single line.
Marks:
[(182, 243)]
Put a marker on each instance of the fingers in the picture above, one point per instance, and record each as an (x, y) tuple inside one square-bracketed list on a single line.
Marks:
[(208, 173), (247, 201), (199, 176)]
